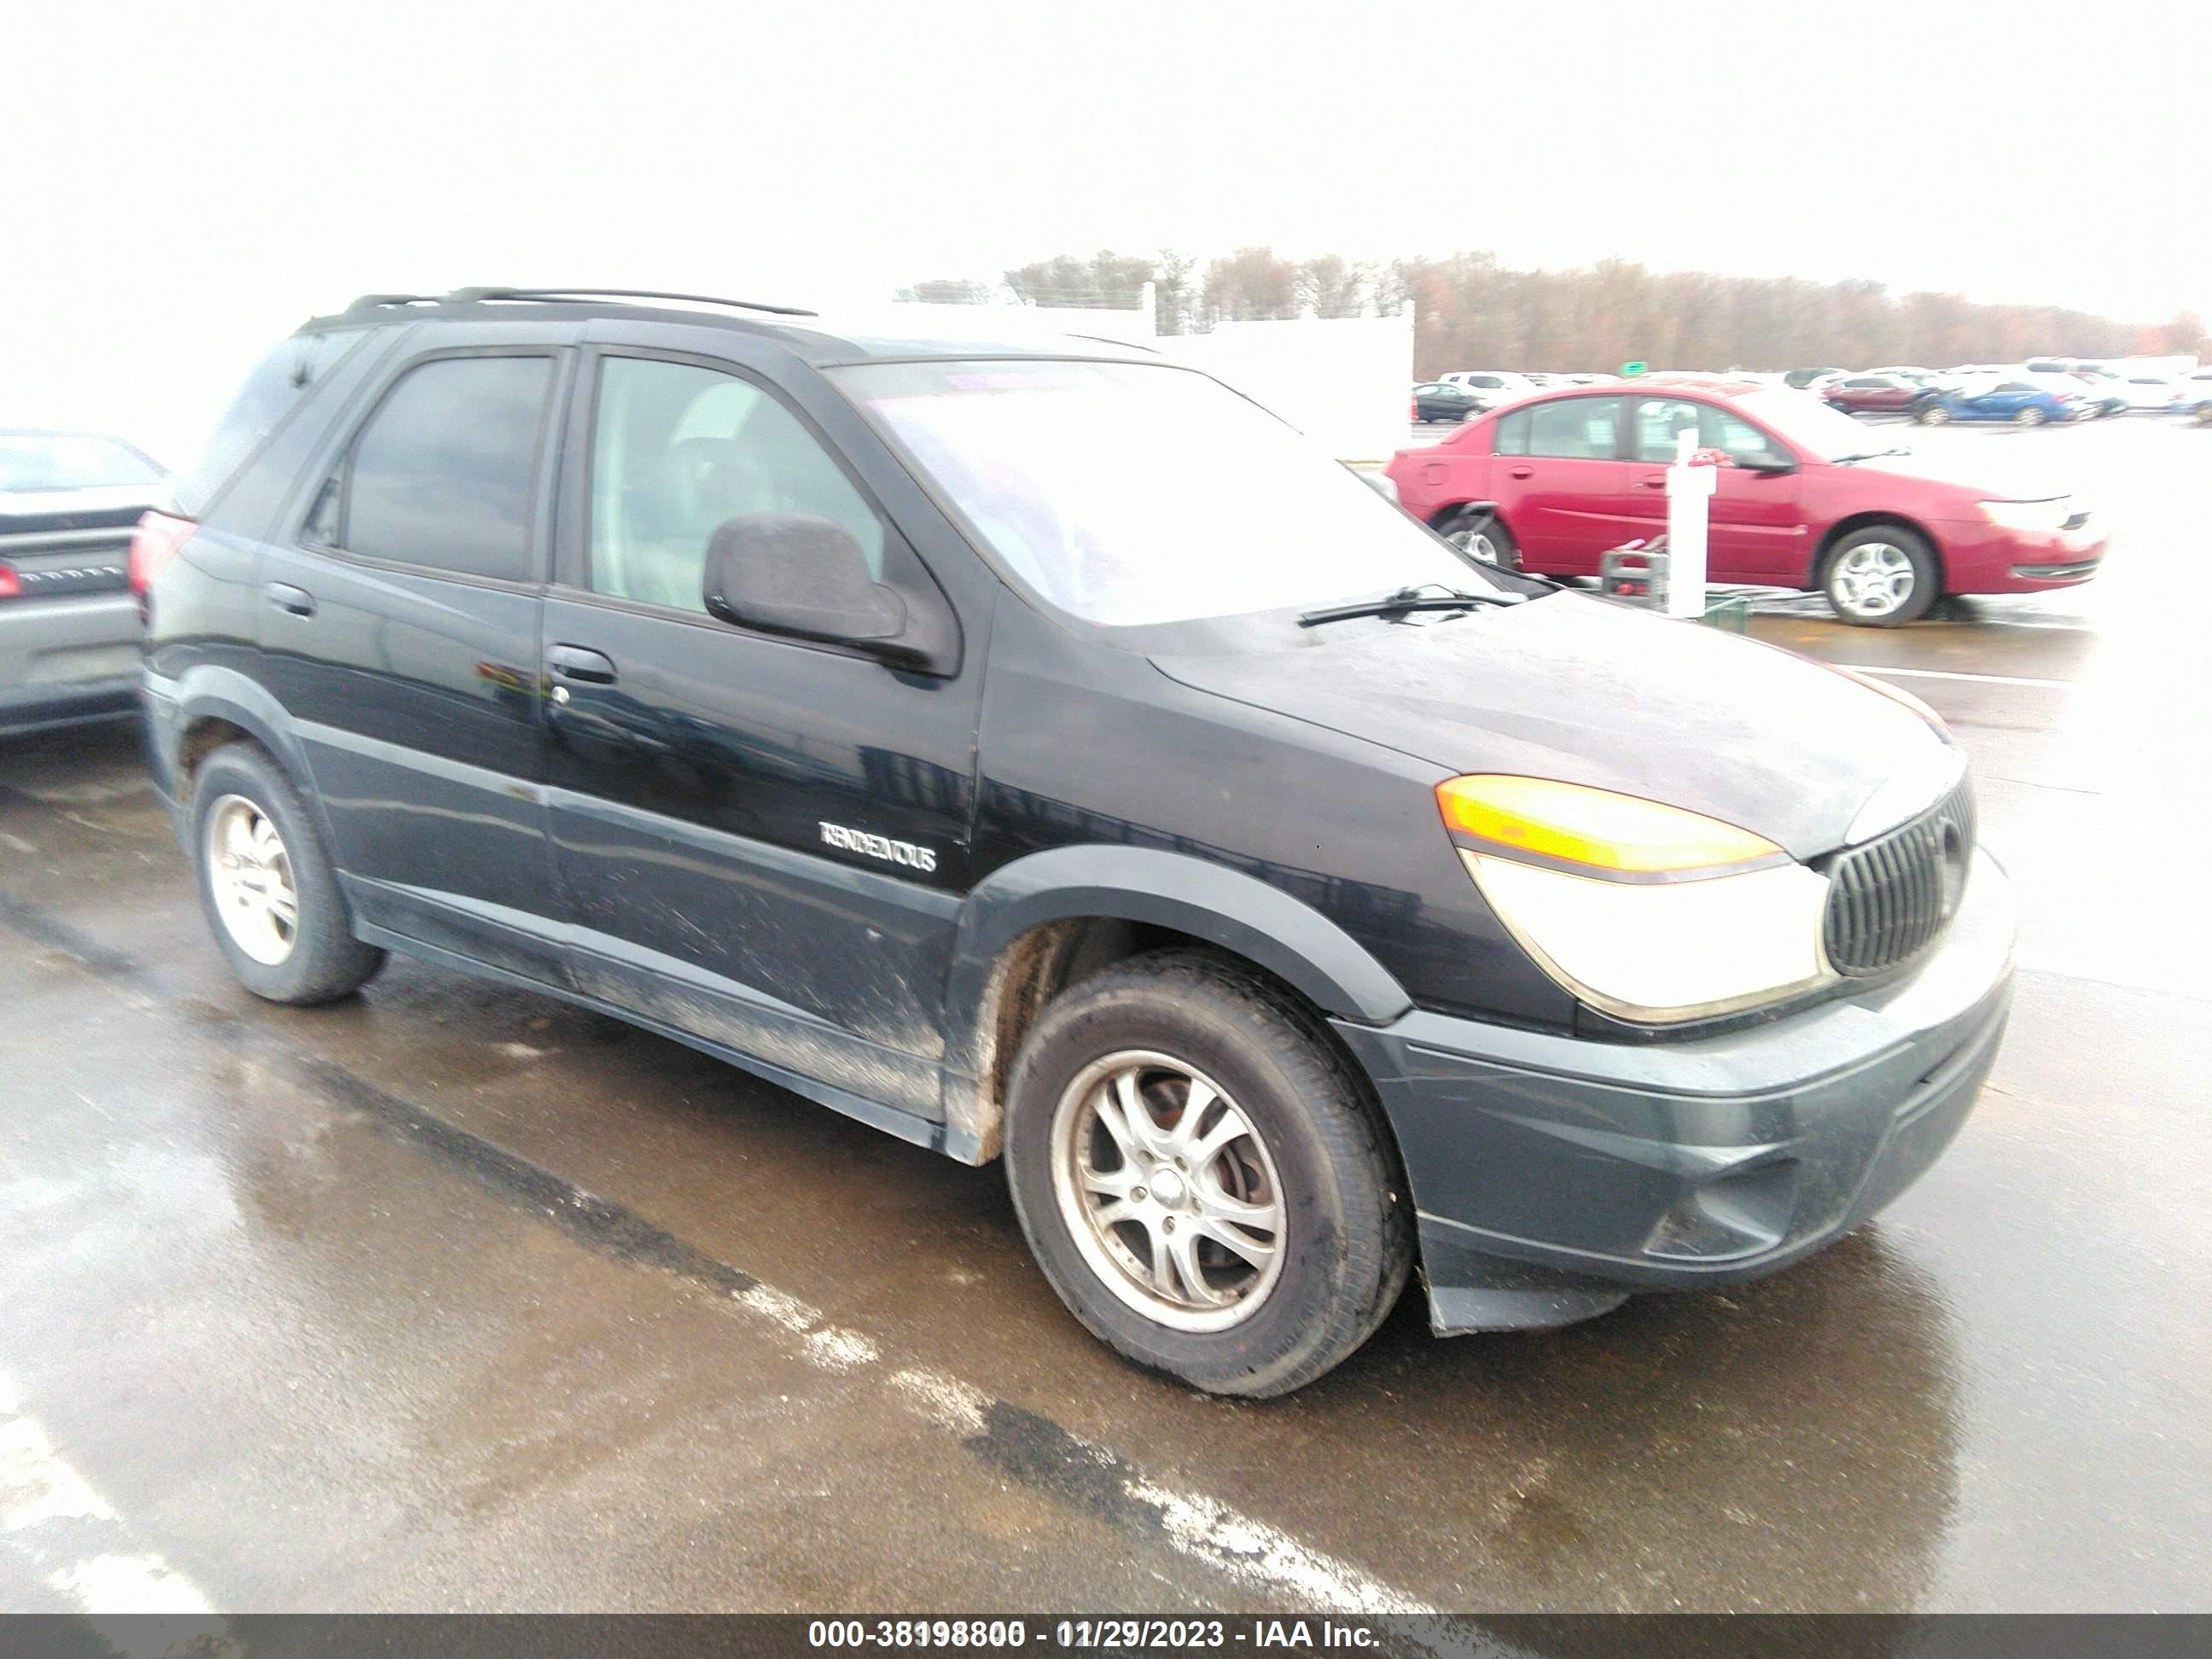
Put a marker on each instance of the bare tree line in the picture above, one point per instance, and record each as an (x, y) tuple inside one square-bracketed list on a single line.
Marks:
[(1470, 312)]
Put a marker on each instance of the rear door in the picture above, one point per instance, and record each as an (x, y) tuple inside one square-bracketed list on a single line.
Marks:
[(1560, 483), (762, 839), (398, 627), (1755, 528)]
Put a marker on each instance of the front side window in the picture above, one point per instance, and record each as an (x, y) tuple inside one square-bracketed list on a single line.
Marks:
[(1719, 429), (442, 475), (1657, 421), (1574, 428), (677, 452), (1122, 493)]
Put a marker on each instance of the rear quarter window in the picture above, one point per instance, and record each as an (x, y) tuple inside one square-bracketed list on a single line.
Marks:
[(277, 385)]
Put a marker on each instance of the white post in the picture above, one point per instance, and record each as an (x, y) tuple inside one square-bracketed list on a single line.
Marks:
[(1688, 490)]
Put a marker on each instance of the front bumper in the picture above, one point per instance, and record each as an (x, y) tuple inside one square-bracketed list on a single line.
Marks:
[(1553, 1175), (1987, 558)]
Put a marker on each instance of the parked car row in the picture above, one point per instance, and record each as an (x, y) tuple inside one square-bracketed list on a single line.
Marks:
[(1464, 393), (2032, 393)]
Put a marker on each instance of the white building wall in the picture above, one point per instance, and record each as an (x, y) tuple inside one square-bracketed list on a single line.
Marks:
[(1342, 381)]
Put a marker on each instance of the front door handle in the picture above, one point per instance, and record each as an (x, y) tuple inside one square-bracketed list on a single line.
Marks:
[(1523, 472), (1658, 482), (294, 601), (573, 662)]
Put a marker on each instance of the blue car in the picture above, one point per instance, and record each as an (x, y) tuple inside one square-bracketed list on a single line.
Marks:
[(2197, 405), (2021, 402)]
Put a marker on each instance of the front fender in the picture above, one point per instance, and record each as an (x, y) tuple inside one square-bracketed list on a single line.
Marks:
[(1241, 914)]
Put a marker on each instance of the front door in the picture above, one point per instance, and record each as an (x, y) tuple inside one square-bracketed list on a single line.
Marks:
[(763, 839), (1755, 530), (399, 627), (1559, 484)]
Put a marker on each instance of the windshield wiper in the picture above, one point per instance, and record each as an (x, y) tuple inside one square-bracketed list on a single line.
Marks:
[(1870, 455), (1406, 599)]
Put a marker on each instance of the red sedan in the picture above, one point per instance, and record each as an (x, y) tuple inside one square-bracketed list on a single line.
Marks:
[(1807, 498), (1873, 394)]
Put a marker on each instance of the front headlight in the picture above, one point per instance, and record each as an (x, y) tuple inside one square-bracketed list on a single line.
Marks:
[(2028, 515), (1642, 910)]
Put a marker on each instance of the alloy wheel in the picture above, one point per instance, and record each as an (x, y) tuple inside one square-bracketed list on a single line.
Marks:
[(1168, 1191), (1875, 579), (251, 875)]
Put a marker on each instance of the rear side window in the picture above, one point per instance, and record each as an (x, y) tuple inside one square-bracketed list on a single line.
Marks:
[(1512, 434), (442, 474), (1574, 428), (277, 385)]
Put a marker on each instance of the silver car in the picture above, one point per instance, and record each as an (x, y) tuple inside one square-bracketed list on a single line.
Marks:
[(69, 622)]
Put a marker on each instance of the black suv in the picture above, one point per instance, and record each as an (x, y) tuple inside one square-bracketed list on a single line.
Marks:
[(1042, 752)]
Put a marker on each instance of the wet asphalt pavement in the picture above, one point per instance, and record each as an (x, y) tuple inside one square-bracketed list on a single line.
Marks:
[(454, 1296)]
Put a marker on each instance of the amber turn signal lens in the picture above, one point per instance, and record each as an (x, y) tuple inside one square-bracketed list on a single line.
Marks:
[(1595, 829)]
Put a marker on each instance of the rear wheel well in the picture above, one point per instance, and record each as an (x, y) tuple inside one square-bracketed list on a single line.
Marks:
[(1444, 516), (1859, 521), (1054, 955)]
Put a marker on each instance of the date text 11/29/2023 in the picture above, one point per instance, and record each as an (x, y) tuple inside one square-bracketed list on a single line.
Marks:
[(1092, 1634)]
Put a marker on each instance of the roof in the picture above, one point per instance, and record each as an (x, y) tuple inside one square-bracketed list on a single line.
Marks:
[(813, 339)]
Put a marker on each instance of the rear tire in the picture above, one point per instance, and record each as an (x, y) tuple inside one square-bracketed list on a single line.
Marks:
[(2031, 416), (1284, 1136), (1881, 576), (1482, 537), (267, 887), (1932, 415)]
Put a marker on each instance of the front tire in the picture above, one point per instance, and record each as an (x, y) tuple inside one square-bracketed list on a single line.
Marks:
[(1881, 576), (1202, 1178), (1482, 537), (1932, 415), (2030, 415), (267, 888)]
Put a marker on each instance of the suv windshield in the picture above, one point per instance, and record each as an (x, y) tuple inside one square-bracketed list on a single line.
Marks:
[(1131, 493), (1806, 422), (36, 461)]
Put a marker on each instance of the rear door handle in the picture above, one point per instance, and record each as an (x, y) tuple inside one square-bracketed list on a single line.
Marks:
[(1523, 472), (573, 662), (297, 601)]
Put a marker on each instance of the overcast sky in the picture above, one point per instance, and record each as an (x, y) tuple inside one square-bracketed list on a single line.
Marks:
[(186, 182)]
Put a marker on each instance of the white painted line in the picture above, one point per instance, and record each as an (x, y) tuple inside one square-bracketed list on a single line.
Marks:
[(36, 1486), (1260, 1555), (1946, 674), (836, 1349), (775, 1306), (959, 1407), (131, 1583)]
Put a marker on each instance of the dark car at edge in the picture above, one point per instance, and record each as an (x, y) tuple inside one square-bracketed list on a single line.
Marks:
[(69, 625), (920, 725)]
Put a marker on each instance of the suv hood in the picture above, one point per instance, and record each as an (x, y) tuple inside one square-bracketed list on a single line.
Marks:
[(1591, 692)]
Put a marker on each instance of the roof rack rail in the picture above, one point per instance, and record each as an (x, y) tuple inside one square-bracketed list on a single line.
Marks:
[(467, 296), (376, 301)]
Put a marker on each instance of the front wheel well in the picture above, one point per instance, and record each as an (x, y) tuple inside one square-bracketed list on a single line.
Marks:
[(1859, 521), (1053, 956), (203, 735)]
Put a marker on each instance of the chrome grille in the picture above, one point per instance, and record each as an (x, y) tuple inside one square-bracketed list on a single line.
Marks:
[(1888, 899)]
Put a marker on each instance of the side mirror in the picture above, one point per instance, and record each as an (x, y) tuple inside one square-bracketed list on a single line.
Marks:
[(796, 573), (1766, 461)]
